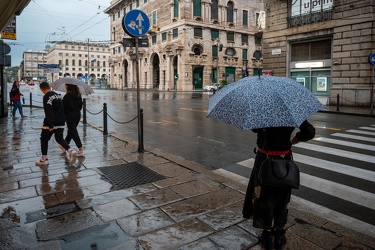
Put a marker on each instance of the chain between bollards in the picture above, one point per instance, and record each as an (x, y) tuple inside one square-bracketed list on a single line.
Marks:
[(84, 111), (105, 127)]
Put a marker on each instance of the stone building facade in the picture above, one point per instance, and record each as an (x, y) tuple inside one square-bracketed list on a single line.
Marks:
[(324, 44), (28, 70), (74, 58), (192, 43)]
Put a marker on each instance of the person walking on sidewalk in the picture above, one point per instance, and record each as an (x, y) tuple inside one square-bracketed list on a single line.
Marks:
[(54, 123), (266, 204), (72, 109), (15, 97)]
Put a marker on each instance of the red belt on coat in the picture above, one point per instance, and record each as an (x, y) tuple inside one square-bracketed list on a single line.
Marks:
[(274, 152)]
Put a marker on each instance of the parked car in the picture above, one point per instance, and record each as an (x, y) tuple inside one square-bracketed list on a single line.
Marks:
[(211, 88)]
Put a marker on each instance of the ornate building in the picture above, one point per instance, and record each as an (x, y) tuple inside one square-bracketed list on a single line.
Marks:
[(324, 44), (192, 43), (74, 58)]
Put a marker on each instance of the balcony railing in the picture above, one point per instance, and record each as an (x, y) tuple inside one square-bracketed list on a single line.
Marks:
[(313, 17)]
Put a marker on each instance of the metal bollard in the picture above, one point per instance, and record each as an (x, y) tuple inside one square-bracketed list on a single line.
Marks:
[(338, 102), (84, 110), (105, 127), (140, 146), (31, 100)]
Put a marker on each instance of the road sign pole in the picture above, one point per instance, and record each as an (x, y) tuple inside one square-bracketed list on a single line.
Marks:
[(140, 136), (136, 24)]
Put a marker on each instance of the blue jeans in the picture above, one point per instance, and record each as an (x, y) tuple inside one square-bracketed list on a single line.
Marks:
[(17, 105)]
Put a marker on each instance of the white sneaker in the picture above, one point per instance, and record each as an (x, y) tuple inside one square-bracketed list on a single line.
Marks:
[(72, 157), (80, 154), (63, 150), (42, 162)]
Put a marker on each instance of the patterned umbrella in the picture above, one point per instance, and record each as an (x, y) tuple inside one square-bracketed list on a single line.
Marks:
[(59, 85), (261, 102)]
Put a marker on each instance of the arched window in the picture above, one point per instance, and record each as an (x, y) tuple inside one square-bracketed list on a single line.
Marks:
[(66, 62), (80, 63), (98, 64), (73, 62), (230, 12), (215, 9), (104, 64), (197, 8), (197, 49), (176, 8)]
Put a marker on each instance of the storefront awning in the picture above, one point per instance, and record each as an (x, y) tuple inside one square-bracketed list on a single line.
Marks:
[(9, 9)]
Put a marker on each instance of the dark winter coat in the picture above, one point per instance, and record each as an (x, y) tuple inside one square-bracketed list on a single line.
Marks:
[(53, 109), (72, 107)]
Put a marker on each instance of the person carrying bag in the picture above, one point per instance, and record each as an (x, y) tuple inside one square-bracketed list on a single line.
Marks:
[(15, 98), (268, 204)]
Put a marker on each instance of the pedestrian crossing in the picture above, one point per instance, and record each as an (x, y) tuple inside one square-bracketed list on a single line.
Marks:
[(337, 177)]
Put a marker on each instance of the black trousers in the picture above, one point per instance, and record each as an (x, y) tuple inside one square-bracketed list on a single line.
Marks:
[(46, 136), (73, 134), (269, 208)]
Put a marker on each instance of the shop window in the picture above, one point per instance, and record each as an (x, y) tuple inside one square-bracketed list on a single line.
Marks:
[(316, 50)]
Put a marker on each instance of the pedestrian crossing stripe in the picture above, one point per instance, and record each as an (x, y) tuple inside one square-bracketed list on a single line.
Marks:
[(367, 128), (337, 152), (338, 190), (334, 189), (346, 143), (332, 215), (355, 137), (361, 132), (335, 167)]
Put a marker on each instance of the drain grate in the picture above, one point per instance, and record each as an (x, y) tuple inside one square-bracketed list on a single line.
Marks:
[(130, 175)]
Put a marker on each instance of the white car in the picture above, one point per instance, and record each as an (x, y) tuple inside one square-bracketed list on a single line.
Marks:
[(210, 88)]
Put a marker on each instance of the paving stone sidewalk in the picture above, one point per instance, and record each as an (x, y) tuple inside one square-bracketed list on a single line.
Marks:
[(188, 207)]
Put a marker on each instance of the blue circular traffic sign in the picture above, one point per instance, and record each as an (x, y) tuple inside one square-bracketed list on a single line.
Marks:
[(136, 23), (371, 58)]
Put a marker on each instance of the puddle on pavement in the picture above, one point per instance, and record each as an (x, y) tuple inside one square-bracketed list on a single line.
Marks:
[(51, 212), (98, 237), (10, 213)]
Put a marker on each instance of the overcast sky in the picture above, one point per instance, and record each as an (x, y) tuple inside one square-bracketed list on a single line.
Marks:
[(53, 20)]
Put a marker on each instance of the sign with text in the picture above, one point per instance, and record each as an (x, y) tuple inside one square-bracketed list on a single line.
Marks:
[(10, 31), (302, 7), (48, 66)]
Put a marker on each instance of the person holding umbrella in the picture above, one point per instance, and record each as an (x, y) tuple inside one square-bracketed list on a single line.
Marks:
[(272, 107), (268, 204), (54, 123), (72, 101)]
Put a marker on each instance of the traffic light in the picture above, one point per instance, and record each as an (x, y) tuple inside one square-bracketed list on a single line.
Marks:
[(221, 47)]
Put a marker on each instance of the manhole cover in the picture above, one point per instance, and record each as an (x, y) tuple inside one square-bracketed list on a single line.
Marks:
[(129, 175)]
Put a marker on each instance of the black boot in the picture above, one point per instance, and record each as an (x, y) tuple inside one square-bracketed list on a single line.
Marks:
[(265, 239), (279, 238)]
